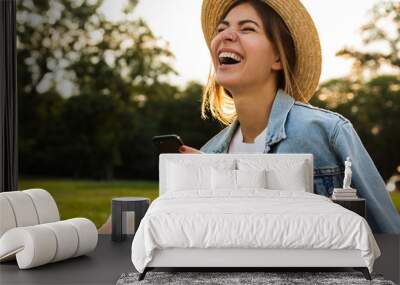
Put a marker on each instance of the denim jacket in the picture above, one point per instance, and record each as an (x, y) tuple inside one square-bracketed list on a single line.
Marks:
[(295, 127)]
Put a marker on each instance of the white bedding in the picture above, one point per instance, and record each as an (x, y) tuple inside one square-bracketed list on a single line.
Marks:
[(252, 218)]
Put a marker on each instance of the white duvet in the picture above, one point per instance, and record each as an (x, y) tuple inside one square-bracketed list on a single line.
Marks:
[(250, 219)]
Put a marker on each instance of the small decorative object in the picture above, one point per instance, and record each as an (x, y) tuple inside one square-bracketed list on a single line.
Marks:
[(347, 174), (346, 193)]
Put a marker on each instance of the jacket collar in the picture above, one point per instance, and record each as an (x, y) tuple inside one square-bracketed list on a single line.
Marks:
[(276, 125)]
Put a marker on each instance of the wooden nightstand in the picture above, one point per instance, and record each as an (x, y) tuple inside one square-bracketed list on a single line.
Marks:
[(356, 205)]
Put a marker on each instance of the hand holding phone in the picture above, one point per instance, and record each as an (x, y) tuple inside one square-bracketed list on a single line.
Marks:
[(189, 150)]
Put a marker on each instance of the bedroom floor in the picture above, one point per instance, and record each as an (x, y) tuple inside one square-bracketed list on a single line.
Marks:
[(110, 260)]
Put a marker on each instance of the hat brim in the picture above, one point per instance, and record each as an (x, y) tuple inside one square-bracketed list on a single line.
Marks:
[(307, 70)]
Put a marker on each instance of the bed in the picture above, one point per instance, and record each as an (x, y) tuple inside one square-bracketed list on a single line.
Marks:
[(247, 210)]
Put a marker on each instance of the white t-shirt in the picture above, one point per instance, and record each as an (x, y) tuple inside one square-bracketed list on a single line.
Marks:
[(238, 146)]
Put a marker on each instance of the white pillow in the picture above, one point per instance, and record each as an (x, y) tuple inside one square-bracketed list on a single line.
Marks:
[(223, 179), (281, 174), (187, 172), (292, 180), (227, 179), (251, 178), (183, 178)]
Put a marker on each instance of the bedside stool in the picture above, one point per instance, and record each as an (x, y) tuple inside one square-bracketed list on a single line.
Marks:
[(120, 209), (356, 205)]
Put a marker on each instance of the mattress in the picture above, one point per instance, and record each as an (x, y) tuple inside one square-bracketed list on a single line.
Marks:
[(250, 219)]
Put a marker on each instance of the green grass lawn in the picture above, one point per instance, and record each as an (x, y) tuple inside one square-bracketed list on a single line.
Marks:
[(87, 198), (92, 199)]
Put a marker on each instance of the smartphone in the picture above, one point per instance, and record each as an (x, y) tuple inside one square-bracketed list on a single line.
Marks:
[(167, 143)]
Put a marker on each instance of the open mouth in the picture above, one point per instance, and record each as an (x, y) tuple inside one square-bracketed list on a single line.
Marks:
[(229, 58)]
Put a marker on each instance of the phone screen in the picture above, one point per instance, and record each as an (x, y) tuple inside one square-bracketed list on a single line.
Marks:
[(167, 143)]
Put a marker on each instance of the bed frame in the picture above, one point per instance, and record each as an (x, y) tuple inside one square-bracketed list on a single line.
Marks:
[(241, 259)]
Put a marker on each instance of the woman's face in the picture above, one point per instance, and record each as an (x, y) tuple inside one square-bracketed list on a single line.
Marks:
[(242, 54)]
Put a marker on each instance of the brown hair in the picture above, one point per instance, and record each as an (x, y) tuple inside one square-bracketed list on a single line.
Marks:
[(218, 100)]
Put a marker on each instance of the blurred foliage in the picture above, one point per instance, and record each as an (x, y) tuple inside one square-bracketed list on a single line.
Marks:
[(92, 93), (381, 31), (370, 96)]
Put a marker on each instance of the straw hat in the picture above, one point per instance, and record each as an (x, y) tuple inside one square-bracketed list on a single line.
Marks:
[(304, 33)]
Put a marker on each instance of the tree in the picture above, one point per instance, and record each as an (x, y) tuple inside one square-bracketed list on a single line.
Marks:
[(184, 114), (383, 29), (92, 134), (67, 54)]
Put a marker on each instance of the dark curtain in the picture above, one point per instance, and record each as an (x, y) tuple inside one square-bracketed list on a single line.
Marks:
[(8, 98)]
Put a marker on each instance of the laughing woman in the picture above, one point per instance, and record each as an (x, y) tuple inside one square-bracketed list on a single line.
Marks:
[(267, 63)]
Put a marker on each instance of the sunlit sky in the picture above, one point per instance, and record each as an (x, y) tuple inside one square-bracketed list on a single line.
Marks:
[(178, 22)]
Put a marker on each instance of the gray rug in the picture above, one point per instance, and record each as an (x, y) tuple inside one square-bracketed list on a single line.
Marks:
[(242, 278)]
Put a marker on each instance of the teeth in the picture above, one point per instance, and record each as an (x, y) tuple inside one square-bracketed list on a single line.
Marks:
[(230, 55)]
